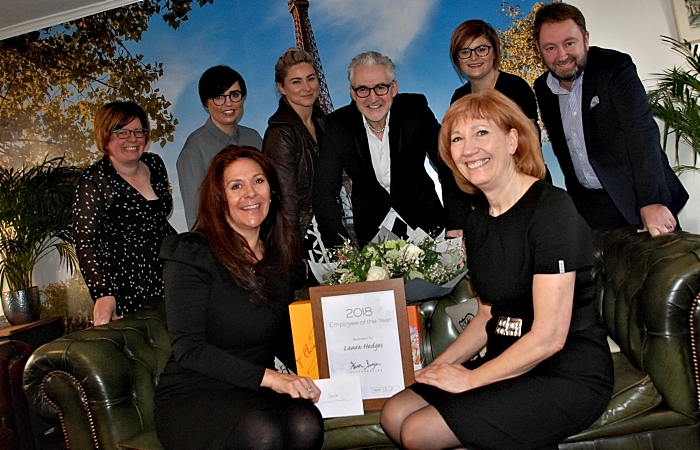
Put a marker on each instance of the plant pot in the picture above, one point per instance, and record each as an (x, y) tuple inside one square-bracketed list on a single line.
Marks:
[(23, 306)]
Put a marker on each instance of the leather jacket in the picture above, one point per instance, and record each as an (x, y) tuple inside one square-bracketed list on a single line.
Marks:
[(293, 150)]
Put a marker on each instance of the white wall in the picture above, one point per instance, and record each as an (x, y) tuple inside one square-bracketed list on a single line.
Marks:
[(635, 27)]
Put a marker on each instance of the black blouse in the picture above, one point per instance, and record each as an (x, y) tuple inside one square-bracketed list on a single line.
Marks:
[(118, 233)]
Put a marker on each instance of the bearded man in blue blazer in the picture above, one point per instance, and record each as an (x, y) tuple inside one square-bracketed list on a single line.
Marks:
[(381, 140), (602, 129)]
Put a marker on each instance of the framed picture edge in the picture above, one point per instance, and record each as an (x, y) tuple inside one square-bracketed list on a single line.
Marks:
[(685, 32), (396, 285)]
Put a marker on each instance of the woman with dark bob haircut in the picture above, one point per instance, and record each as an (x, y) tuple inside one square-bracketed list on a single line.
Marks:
[(222, 92), (228, 285), (120, 215), (547, 371)]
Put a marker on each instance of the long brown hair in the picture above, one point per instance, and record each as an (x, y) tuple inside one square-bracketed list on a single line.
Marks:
[(229, 247), (499, 109)]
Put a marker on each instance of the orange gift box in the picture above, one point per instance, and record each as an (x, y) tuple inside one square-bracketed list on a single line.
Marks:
[(416, 334), (304, 340)]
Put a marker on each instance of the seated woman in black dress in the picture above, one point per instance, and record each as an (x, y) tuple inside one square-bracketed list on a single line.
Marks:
[(547, 372), (227, 290)]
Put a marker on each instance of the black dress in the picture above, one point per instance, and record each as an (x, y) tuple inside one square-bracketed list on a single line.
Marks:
[(513, 87), (541, 234), (118, 234), (222, 342)]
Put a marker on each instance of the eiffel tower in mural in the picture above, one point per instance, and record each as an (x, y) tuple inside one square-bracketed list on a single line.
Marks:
[(299, 9)]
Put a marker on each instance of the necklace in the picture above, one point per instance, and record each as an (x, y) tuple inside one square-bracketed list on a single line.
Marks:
[(376, 131)]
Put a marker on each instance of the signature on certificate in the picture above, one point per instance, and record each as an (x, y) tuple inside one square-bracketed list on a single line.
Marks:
[(367, 367)]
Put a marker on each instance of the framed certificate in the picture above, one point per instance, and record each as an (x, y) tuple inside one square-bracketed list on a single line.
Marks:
[(362, 330)]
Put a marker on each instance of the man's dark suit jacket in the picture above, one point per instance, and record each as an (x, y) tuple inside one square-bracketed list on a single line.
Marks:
[(622, 139), (413, 132)]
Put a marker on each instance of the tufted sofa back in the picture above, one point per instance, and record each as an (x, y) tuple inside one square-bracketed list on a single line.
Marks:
[(647, 295), (103, 378), (438, 329)]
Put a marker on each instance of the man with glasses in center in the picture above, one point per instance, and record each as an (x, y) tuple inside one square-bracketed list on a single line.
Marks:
[(380, 139), (221, 91)]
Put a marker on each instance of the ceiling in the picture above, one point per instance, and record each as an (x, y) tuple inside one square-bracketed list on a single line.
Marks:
[(22, 16)]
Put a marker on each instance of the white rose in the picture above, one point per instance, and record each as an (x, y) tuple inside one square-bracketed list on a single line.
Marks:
[(411, 251), (376, 273)]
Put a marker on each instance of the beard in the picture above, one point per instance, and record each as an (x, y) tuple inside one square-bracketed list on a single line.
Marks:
[(576, 72)]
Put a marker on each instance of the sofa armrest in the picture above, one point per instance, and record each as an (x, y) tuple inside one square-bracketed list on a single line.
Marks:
[(15, 429), (100, 382), (647, 295)]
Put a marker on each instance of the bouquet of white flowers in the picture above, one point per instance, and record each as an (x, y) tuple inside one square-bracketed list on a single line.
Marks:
[(430, 267)]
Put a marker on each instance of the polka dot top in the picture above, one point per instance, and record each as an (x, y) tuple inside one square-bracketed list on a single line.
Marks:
[(118, 233)]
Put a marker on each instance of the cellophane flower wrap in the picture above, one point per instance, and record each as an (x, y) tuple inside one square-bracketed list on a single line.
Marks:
[(430, 267)]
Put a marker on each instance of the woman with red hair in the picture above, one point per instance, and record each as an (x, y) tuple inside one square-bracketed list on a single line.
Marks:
[(547, 371)]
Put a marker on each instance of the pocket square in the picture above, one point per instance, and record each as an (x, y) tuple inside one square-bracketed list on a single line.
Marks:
[(594, 101)]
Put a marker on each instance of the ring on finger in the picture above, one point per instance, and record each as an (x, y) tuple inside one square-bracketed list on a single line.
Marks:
[(310, 390)]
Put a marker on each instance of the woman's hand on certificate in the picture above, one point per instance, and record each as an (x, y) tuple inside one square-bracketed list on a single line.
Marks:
[(295, 386), (452, 378)]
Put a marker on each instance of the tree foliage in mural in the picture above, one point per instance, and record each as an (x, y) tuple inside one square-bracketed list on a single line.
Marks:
[(54, 80), (519, 53)]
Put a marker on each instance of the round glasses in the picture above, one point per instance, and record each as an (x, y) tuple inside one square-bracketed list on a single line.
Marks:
[(379, 90), (235, 97), (124, 133), (481, 51)]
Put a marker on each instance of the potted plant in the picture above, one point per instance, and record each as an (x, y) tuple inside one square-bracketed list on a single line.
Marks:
[(675, 100), (35, 219)]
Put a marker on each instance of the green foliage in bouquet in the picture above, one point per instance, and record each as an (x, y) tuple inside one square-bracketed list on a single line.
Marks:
[(396, 258)]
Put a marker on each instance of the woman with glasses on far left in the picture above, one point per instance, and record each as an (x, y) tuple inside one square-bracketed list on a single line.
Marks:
[(120, 215)]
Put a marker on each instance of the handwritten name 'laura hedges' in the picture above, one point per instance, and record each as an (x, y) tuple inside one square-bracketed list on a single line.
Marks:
[(373, 346)]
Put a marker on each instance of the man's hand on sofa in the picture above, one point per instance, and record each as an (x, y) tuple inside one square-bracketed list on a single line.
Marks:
[(657, 219)]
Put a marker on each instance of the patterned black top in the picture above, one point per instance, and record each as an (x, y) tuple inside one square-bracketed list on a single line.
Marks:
[(118, 233)]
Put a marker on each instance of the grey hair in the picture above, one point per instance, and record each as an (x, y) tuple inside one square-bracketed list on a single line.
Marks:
[(372, 58)]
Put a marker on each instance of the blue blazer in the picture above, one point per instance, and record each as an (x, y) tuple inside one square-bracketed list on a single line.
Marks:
[(622, 138)]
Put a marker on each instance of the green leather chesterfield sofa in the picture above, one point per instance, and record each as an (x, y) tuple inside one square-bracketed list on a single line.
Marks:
[(98, 383)]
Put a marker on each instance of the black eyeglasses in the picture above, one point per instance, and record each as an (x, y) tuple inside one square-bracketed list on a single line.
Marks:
[(235, 96), (380, 89), (124, 133), (482, 50)]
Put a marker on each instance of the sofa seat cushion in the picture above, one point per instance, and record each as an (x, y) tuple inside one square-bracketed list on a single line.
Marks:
[(633, 393), (148, 440), (355, 432)]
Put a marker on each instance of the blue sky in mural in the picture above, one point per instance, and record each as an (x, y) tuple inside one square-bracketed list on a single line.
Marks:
[(250, 35)]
